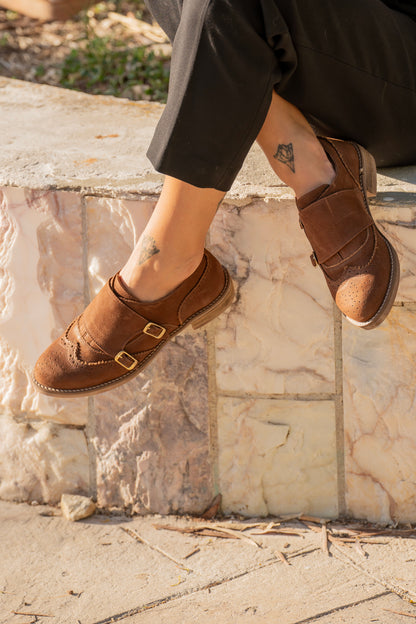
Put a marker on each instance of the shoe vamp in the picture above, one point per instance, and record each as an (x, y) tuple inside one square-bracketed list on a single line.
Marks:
[(361, 291), (62, 368), (88, 350)]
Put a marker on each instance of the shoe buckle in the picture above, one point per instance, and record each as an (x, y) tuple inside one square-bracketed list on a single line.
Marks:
[(154, 330), (314, 259), (126, 360), (302, 227)]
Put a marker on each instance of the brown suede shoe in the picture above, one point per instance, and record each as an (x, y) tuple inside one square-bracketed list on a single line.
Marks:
[(116, 336), (359, 264)]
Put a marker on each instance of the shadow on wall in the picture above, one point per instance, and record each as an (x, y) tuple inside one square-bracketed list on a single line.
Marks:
[(405, 174)]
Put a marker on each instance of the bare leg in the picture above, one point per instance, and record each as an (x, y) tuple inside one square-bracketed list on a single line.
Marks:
[(171, 246), (292, 148)]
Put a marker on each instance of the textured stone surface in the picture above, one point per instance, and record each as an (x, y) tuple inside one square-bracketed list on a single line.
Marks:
[(101, 143), (41, 291), (380, 425), (277, 456), (84, 155), (75, 507), (41, 460), (399, 223), (113, 228), (152, 434), (278, 336)]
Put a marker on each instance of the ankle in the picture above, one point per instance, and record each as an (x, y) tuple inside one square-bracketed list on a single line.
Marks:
[(158, 276), (311, 166)]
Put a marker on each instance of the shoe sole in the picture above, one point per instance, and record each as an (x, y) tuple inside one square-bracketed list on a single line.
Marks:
[(368, 183), (197, 320)]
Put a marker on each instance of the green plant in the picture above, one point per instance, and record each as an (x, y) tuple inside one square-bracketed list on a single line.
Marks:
[(107, 66)]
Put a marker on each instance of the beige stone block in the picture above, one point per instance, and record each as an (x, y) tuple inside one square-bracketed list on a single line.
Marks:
[(380, 424), (398, 221), (277, 456), (278, 336), (114, 227), (41, 291), (41, 460), (152, 435)]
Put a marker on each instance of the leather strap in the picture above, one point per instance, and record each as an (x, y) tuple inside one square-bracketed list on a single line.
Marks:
[(332, 222), (122, 324)]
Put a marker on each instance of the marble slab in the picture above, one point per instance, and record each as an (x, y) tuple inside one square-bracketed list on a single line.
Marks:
[(380, 422), (277, 457), (41, 291), (152, 435), (278, 336), (398, 221), (39, 461), (113, 228)]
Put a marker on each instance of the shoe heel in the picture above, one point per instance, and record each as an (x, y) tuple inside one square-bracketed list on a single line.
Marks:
[(213, 312), (369, 173)]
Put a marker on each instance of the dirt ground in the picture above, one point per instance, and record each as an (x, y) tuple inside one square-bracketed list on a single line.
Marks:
[(34, 50)]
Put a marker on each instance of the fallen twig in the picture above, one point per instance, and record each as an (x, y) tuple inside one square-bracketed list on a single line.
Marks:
[(237, 535), (213, 508), (305, 518), (282, 557), (279, 531), (324, 542), (358, 548), (154, 33), (210, 530), (138, 537), (32, 614), (193, 552), (401, 613)]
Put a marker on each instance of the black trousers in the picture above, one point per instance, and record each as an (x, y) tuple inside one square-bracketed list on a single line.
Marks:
[(348, 65)]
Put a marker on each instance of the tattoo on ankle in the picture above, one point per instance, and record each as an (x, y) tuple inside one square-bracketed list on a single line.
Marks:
[(286, 155), (148, 249)]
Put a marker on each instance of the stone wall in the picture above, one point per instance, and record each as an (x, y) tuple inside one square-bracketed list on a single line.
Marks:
[(278, 405)]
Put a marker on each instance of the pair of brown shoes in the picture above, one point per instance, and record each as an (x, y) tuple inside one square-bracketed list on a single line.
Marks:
[(117, 336)]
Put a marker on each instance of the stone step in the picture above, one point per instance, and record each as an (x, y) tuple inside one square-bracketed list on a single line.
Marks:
[(279, 404)]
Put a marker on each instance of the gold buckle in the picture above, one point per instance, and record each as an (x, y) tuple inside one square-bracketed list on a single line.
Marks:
[(148, 330), (124, 354), (314, 259)]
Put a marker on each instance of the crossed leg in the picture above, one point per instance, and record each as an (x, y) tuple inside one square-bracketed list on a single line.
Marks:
[(172, 244)]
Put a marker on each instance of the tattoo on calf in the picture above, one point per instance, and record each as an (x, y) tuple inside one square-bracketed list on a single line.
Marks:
[(148, 249), (286, 155)]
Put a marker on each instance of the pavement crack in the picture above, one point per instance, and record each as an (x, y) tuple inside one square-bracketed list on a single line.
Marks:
[(346, 558), (314, 618), (194, 590)]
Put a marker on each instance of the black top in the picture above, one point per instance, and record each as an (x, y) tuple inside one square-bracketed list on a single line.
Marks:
[(404, 6)]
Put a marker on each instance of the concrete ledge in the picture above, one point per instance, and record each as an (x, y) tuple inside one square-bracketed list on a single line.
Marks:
[(278, 405)]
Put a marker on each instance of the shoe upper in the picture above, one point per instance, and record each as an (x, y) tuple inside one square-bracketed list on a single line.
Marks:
[(102, 343), (352, 253)]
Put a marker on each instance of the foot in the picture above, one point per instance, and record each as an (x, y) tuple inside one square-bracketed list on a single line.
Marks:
[(360, 265), (118, 335)]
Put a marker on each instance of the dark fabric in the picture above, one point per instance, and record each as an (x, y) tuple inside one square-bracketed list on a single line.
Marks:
[(408, 7), (349, 66)]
